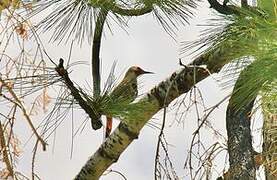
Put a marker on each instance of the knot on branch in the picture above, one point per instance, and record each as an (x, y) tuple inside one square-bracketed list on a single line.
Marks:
[(60, 68), (105, 154), (123, 127)]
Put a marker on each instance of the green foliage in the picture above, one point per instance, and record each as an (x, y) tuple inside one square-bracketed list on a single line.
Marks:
[(270, 98), (117, 106), (76, 18), (247, 35), (101, 4), (270, 6), (170, 13)]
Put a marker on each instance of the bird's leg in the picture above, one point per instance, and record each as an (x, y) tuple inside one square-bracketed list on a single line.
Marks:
[(109, 126)]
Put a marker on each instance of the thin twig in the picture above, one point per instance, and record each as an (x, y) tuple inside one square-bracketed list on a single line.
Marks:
[(5, 152), (33, 160), (117, 172), (25, 114), (158, 146)]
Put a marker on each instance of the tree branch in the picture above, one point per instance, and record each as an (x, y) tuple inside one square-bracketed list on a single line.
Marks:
[(223, 9), (131, 12), (77, 94), (98, 31), (101, 18)]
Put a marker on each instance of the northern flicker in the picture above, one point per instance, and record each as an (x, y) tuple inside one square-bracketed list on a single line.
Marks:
[(127, 89)]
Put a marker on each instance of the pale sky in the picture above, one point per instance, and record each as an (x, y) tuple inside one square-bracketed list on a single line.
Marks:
[(148, 46)]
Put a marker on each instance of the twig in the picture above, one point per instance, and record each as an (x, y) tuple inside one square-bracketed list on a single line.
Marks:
[(117, 172), (33, 160), (158, 145), (204, 119), (78, 95), (25, 114), (5, 152)]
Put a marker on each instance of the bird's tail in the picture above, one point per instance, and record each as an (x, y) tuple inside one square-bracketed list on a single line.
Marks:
[(109, 126)]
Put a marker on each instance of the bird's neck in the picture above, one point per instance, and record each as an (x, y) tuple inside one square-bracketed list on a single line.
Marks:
[(130, 78)]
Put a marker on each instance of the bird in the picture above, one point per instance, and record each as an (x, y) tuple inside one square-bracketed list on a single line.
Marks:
[(127, 89)]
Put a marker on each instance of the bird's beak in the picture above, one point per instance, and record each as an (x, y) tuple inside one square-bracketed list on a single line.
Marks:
[(146, 72)]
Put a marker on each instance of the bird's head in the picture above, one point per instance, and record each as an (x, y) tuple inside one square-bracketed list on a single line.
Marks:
[(136, 71)]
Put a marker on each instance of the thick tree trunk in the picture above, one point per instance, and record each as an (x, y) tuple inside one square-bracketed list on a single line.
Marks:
[(238, 120), (241, 154)]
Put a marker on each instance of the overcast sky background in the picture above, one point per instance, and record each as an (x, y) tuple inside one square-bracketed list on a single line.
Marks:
[(147, 45)]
